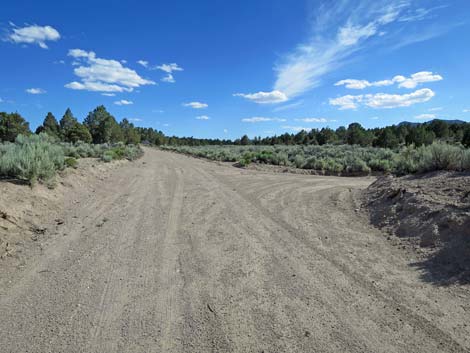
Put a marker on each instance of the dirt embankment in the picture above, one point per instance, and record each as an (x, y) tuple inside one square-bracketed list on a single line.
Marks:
[(29, 216), (431, 213)]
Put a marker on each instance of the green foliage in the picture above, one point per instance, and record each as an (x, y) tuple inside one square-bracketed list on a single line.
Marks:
[(341, 159), (71, 162), (12, 125), (32, 158), (50, 126), (103, 126)]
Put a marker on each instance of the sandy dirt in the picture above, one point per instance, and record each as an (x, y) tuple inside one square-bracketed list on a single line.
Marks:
[(175, 254)]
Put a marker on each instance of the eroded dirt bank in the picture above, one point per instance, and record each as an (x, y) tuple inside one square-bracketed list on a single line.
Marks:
[(175, 254), (431, 213)]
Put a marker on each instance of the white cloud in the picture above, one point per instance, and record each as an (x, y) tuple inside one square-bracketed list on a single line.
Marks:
[(168, 78), (196, 105), (296, 128), (405, 82), (34, 35), (202, 117), (135, 119), (435, 109), (108, 94), (466, 110), (346, 102), (225, 131), (340, 30), (103, 75), (288, 106), (260, 119), (425, 116), (169, 68), (123, 102), (35, 91), (264, 97), (375, 118), (144, 63), (312, 120), (420, 77), (383, 100)]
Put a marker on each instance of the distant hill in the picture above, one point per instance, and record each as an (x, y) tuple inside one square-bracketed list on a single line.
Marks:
[(451, 122)]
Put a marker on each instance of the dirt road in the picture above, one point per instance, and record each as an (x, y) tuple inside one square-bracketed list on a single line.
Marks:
[(175, 254)]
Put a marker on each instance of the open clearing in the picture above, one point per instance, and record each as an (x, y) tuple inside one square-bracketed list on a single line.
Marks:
[(176, 254)]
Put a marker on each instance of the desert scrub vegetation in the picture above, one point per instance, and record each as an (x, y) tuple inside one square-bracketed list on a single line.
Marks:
[(341, 159), (38, 157)]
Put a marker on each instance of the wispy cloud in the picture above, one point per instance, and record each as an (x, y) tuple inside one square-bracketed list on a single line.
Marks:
[(260, 119), (135, 119), (168, 78), (35, 91), (466, 110), (312, 120), (425, 116), (103, 75), (123, 102), (169, 68), (340, 30), (264, 97), (296, 128), (144, 63), (288, 106), (203, 117), (33, 34), (382, 100), (436, 109), (196, 105)]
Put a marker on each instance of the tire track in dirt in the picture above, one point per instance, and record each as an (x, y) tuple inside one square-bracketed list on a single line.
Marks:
[(302, 238)]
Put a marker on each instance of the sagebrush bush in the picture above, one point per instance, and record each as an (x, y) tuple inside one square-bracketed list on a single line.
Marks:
[(31, 158), (341, 159)]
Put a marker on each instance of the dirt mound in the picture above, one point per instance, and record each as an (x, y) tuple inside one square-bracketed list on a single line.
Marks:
[(432, 213), (28, 216)]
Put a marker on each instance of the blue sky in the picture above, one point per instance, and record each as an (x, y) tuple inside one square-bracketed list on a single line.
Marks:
[(226, 68)]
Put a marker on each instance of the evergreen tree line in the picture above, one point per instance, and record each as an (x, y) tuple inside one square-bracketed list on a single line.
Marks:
[(100, 126)]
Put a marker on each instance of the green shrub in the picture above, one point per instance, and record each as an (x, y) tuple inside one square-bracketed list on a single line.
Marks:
[(32, 158), (71, 162)]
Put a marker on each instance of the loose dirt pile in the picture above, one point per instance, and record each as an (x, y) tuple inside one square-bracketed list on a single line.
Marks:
[(432, 214)]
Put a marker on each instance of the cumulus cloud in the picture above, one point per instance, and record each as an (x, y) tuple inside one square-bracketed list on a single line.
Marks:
[(264, 97), (383, 100), (419, 77), (103, 75), (123, 102), (312, 120), (196, 105), (34, 35), (260, 119), (425, 116), (202, 117), (35, 91), (144, 63), (403, 82)]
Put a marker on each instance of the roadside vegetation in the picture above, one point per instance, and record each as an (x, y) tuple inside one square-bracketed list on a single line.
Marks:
[(57, 145), (341, 159), (401, 149)]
